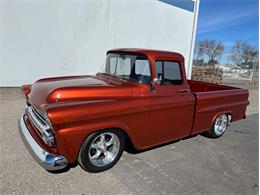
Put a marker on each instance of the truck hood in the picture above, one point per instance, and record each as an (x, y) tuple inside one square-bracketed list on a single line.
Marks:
[(80, 88)]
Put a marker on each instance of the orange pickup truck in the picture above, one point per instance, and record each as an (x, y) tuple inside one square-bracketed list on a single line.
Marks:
[(141, 95)]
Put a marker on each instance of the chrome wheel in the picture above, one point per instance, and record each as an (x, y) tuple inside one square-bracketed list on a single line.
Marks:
[(104, 149), (221, 124)]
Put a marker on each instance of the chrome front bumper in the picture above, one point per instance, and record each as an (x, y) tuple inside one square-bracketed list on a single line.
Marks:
[(48, 161)]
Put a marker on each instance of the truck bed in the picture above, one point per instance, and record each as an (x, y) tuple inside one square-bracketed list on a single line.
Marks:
[(214, 99), (198, 86)]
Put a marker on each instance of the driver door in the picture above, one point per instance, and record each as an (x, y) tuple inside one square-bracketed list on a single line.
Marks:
[(172, 104)]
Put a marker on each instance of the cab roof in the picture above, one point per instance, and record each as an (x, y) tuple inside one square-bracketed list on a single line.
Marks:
[(148, 52)]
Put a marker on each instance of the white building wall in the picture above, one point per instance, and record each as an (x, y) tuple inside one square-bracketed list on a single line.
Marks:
[(43, 38)]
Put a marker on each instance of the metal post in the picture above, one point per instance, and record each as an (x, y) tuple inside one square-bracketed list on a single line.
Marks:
[(254, 69)]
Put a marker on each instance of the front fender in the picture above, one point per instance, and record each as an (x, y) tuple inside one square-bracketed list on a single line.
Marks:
[(69, 139), (74, 121)]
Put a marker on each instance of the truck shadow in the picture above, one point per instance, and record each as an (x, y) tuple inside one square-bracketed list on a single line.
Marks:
[(70, 166), (129, 148)]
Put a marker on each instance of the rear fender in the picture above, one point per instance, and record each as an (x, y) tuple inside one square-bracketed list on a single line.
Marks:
[(229, 112)]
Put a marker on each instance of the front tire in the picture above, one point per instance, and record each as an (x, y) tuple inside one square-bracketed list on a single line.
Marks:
[(219, 127), (101, 150)]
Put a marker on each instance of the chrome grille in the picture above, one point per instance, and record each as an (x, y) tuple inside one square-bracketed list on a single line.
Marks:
[(40, 123), (36, 119), (39, 116)]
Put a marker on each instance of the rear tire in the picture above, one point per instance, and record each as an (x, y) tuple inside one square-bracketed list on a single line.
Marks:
[(101, 150), (219, 127)]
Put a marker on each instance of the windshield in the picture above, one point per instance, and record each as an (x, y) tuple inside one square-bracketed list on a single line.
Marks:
[(129, 67)]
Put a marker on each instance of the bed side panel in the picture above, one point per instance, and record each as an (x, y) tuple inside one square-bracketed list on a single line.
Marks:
[(211, 104)]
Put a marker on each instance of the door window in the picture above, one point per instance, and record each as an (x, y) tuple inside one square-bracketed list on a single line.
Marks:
[(169, 72)]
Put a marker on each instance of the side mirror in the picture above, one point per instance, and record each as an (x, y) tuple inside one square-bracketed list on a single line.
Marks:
[(156, 81)]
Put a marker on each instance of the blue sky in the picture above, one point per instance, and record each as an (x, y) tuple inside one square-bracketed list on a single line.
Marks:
[(228, 21)]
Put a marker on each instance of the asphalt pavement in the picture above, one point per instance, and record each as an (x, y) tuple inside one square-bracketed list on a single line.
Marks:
[(197, 165)]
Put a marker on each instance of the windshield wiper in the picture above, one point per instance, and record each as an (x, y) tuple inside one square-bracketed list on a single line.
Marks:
[(112, 75)]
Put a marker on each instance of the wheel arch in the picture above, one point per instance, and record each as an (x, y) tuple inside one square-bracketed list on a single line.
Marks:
[(128, 139), (228, 112), (70, 140)]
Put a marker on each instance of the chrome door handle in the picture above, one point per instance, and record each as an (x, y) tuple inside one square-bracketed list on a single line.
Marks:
[(184, 91)]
